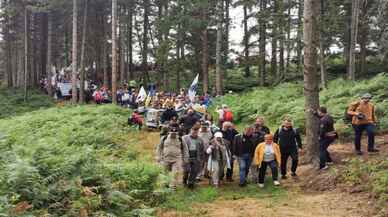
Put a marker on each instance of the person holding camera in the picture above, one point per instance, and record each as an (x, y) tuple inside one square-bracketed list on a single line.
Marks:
[(219, 158), (363, 119)]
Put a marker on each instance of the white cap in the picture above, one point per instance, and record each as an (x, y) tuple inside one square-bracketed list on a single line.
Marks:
[(218, 135)]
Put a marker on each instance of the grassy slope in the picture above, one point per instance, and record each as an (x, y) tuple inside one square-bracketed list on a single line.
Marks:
[(12, 102), (72, 161), (287, 100)]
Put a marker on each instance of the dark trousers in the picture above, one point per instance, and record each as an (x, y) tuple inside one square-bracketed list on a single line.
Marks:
[(190, 173), (293, 153), (263, 169), (324, 155), (229, 171), (370, 129)]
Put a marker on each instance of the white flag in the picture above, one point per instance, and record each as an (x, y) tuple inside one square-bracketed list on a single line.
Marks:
[(193, 89), (142, 95)]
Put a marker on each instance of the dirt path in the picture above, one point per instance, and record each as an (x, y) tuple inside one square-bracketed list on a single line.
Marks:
[(312, 194)]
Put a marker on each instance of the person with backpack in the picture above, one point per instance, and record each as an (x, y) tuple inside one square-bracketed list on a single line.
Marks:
[(244, 148), (268, 154), (219, 157), (195, 146), (289, 141), (228, 114), (171, 153), (363, 119), (327, 135)]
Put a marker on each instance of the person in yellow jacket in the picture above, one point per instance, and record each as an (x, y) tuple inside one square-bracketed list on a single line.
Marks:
[(268, 154), (363, 118)]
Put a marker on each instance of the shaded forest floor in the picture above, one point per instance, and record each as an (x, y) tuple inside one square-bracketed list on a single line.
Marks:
[(312, 193)]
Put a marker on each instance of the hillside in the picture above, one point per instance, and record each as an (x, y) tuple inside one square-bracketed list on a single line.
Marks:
[(287, 100)]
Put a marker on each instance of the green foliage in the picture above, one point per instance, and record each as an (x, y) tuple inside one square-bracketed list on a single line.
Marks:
[(287, 100), (12, 102), (183, 199), (372, 175), (65, 160)]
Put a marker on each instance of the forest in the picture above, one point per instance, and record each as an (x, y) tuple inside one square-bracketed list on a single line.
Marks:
[(65, 154)]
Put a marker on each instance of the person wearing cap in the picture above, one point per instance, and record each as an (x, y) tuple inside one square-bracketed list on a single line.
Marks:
[(289, 141), (363, 119), (268, 154), (206, 135), (244, 148), (218, 158), (171, 153), (195, 146)]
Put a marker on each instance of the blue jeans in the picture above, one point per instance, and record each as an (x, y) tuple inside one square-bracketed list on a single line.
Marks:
[(370, 129), (245, 162)]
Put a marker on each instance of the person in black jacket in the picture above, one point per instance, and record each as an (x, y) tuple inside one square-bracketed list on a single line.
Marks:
[(327, 135), (260, 130), (189, 120), (168, 114), (289, 141), (244, 148)]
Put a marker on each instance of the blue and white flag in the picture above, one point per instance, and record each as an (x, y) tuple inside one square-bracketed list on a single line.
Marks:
[(142, 95), (193, 89)]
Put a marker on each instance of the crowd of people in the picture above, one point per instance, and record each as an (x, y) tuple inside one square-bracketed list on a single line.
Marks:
[(198, 149)]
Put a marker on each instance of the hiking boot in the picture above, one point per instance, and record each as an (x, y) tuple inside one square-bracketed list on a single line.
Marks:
[(284, 177), (276, 183), (330, 163), (261, 185), (324, 168), (373, 150), (293, 174), (358, 152)]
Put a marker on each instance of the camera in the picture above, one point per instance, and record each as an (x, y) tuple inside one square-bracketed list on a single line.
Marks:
[(361, 116)]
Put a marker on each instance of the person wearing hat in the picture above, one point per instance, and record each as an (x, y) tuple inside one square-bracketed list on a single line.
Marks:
[(171, 153), (268, 154), (218, 158), (195, 146), (363, 119), (206, 135)]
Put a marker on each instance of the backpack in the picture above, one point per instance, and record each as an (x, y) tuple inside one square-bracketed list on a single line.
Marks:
[(228, 116), (165, 138), (347, 117)]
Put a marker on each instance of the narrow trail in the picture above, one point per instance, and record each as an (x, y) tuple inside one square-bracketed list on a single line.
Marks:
[(311, 194)]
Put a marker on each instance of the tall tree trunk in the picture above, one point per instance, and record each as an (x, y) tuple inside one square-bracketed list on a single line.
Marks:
[(322, 49), (299, 36), (104, 54), (364, 30), (219, 49), (353, 40), (246, 42), (26, 59), (311, 78), (49, 53), (262, 42), (205, 51), (83, 47), (114, 51), (226, 36), (274, 42), (281, 39), (130, 40), (75, 52), (288, 44), (145, 43)]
